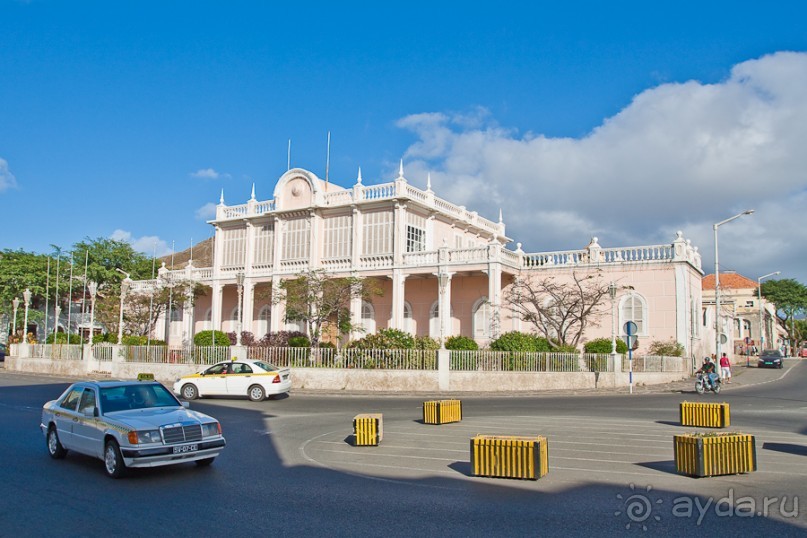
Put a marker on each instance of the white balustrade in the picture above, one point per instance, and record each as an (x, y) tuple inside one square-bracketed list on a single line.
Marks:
[(419, 259)]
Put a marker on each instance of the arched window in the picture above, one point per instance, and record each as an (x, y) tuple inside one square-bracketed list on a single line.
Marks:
[(481, 318), (409, 320), (264, 321), (207, 320), (633, 307), (367, 317), (434, 320), (176, 313)]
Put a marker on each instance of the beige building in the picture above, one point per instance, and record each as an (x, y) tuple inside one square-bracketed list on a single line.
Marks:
[(444, 269)]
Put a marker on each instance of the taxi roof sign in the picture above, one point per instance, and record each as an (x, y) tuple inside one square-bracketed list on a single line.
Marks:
[(145, 377)]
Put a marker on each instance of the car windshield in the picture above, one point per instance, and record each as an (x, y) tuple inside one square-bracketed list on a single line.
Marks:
[(136, 396), (267, 366), (770, 353)]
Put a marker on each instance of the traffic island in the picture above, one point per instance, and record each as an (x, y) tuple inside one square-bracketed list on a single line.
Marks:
[(715, 454), (368, 429), (442, 411), (509, 456), (705, 415)]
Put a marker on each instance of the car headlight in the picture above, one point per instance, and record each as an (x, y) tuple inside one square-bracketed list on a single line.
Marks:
[(210, 429), (144, 437)]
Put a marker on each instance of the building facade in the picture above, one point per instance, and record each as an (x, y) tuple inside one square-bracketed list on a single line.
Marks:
[(443, 269)]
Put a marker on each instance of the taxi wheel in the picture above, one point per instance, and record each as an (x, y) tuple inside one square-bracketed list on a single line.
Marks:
[(113, 461), (190, 392), (55, 448), (256, 393)]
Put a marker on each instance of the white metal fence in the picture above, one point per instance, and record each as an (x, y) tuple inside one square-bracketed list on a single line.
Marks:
[(381, 359), (68, 352)]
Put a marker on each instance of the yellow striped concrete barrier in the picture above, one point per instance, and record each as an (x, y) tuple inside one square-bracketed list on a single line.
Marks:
[(705, 415), (368, 429), (509, 456), (442, 411), (715, 454)]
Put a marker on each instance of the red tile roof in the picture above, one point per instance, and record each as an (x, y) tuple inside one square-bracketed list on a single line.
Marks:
[(728, 281)]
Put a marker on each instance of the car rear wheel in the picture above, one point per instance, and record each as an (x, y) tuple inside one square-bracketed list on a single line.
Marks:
[(205, 462), (190, 392), (113, 460), (55, 448), (256, 393)]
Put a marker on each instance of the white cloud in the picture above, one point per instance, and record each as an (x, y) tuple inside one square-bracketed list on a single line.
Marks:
[(7, 179), (149, 245), (206, 212), (209, 173), (679, 156)]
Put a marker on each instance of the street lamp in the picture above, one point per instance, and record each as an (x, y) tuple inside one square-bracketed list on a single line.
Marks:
[(717, 282), (26, 295), (124, 288), (443, 281), (239, 279), (612, 292), (16, 304), (92, 287), (761, 316)]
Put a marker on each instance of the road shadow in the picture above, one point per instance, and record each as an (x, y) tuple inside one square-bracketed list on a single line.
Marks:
[(787, 448), (462, 467), (664, 466), (669, 423)]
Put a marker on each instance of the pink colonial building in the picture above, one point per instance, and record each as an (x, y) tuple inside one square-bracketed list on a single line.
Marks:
[(444, 270)]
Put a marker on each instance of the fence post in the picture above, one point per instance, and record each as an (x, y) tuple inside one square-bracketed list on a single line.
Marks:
[(443, 369)]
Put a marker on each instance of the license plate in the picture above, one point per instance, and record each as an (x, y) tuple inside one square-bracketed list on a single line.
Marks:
[(185, 448)]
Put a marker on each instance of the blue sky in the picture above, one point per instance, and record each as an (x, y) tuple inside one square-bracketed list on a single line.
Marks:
[(622, 120)]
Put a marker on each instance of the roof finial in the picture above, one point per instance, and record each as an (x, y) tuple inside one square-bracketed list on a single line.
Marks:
[(400, 170), (253, 191), (429, 182), (500, 215), (358, 179), (221, 199)]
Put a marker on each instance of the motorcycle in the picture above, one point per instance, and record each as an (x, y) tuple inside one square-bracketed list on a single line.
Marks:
[(702, 384)]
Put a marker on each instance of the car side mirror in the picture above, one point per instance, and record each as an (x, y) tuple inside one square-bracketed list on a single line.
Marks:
[(186, 405)]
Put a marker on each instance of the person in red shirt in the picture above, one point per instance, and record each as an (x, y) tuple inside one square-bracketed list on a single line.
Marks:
[(725, 368)]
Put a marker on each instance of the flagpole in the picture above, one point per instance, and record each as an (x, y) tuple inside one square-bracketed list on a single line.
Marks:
[(47, 297), (70, 298)]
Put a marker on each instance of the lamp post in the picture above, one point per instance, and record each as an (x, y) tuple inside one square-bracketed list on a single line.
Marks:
[(717, 282), (612, 293), (761, 315), (239, 279), (16, 304), (443, 279), (124, 288), (92, 287), (26, 295)]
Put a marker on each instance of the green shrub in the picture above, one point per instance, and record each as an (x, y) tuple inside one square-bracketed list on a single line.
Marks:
[(603, 345), (131, 340), (461, 343), (327, 345), (668, 348), (385, 339), (565, 348), (205, 338), (518, 341), (299, 341), (426, 343), (61, 338)]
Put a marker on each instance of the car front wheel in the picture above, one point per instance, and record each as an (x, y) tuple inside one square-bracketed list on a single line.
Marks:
[(256, 393), (190, 392), (55, 448), (113, 460)]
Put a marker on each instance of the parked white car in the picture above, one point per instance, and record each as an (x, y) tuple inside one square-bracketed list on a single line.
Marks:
[(129, 424), (254, 379)]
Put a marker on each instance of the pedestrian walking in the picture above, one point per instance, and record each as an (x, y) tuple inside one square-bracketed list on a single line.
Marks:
[(725, 369)]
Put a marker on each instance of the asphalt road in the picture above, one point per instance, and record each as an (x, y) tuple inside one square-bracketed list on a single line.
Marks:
[(288, 468)]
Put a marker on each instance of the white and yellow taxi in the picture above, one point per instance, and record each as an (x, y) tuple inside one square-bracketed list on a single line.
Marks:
[(254, 379), (129, 424)]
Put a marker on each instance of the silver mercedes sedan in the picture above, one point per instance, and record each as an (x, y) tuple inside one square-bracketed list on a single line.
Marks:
[(129, 424)]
